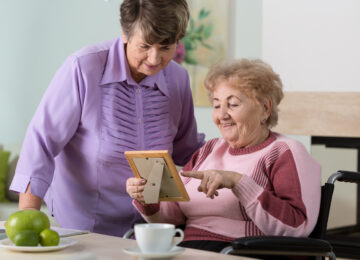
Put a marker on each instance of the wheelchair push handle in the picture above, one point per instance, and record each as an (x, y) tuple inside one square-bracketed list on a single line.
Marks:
[(344, 176)]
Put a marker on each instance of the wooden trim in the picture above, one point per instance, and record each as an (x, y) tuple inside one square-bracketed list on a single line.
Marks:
[(320, 114)]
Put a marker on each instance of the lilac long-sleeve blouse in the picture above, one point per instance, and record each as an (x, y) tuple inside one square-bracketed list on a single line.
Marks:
[(90, 114)]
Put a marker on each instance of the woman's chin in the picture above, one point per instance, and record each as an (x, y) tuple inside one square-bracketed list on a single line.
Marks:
[(233, 142), (229, 136)]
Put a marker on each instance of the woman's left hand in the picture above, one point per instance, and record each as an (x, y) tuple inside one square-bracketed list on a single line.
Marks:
[(212, 180)]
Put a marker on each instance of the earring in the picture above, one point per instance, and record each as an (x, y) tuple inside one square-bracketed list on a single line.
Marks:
[(263, 121)]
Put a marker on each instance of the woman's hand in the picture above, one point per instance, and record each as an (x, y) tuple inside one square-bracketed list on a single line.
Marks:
[(135, 187), (212, 180)]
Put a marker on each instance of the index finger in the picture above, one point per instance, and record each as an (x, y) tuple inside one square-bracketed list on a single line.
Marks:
[(193, 174)]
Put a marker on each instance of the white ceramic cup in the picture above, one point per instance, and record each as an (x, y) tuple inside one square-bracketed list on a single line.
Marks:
[(156, 237)]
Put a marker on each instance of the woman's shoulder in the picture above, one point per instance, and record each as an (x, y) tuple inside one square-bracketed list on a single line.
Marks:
[(288, 143), (285, 146), (91, 59), (94, 49)]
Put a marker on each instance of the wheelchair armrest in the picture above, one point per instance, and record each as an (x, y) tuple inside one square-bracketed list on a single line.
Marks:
[(281, 243), (347, 176)]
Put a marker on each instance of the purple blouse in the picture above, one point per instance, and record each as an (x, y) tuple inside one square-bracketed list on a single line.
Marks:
[(90, 114)]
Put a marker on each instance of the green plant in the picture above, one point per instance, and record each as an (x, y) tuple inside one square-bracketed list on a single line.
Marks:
[(196, 34)]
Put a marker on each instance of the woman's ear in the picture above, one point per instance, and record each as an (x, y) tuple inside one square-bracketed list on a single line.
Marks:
[(267, 106), (124, 37)]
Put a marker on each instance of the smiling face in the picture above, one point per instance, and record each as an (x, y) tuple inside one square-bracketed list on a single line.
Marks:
[(145, 59), (238, 117)]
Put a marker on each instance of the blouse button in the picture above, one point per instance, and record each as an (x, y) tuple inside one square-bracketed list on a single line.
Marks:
[(139, 120)]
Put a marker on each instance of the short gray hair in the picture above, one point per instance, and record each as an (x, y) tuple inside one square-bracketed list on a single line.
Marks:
[(161, 21)]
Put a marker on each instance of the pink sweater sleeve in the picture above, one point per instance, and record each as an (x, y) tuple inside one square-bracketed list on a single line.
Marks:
[(283, 207)]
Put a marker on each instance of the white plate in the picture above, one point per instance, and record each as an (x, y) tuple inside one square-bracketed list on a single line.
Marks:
[(136, 251), (64, 242)]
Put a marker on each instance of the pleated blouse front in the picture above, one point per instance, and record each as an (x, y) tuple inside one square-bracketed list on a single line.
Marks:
[(129, 114)]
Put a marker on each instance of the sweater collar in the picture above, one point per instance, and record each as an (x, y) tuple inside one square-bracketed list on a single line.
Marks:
[(239, 151)]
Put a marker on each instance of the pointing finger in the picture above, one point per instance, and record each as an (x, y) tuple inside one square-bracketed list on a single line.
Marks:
[(193, 174)]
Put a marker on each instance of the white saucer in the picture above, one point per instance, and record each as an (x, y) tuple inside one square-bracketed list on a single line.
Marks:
[(64, 242), (136, 251)]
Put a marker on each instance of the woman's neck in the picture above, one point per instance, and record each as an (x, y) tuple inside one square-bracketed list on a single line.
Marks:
[(257, 139)]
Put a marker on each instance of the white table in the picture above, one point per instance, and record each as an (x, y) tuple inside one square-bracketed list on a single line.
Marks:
[(102, 247)]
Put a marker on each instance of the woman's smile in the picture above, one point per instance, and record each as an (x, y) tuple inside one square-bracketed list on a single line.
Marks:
[(227, 125)]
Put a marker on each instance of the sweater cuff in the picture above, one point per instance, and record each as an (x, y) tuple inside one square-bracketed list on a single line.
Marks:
[(147, 209), (247, 190)]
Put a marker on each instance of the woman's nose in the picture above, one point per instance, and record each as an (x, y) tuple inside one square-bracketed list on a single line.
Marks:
[(224, 113), (154, 56)]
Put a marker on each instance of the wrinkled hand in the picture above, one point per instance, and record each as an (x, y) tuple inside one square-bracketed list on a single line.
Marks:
[(135, 188), (212, 180)]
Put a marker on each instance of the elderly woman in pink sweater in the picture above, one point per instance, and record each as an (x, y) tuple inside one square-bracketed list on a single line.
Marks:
[(250, 182)]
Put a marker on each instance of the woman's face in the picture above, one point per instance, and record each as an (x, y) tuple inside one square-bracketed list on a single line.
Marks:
[(145, 59), (238, 117)]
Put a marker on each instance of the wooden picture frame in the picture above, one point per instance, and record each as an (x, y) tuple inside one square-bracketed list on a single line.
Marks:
[(158, 168)]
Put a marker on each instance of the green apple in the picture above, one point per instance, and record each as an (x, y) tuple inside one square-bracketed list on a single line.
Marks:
[(27, 219)]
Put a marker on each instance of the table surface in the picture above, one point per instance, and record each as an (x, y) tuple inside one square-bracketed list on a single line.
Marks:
[(102, 247)]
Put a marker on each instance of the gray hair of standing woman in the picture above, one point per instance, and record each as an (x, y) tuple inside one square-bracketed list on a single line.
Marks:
[(161, 21), (254, 78)]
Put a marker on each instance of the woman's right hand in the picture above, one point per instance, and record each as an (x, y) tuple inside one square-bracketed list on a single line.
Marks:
[(135, 188)]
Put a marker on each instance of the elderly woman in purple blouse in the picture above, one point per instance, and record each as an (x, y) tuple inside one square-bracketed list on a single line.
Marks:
[(123, 94)]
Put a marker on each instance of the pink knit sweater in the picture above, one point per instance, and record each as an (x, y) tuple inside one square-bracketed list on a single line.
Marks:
[(279, 193)]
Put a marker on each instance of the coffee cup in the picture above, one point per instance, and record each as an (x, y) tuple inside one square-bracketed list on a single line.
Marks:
[(156, 237)]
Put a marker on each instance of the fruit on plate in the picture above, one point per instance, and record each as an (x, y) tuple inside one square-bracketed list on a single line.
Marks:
[(49, 237), (26, 238), (27, 219)]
